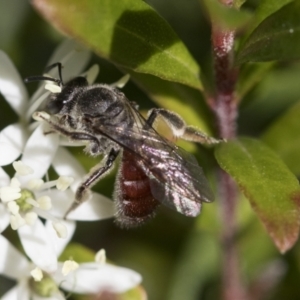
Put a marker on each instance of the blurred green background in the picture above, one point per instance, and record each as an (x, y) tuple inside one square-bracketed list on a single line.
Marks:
[(178, 257)]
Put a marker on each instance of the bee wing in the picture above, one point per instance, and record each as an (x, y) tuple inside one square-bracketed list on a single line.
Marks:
[(176, 179)]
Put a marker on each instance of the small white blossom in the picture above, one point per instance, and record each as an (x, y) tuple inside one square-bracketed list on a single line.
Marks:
[(42, 246), (20, 200)]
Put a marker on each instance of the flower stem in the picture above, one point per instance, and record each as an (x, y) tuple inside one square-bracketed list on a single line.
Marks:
[(225, 108)]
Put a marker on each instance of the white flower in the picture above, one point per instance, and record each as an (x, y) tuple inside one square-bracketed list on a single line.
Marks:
[(23, 200), (43, 275)]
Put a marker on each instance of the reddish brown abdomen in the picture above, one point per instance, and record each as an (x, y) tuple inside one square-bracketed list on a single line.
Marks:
[(136, 203)]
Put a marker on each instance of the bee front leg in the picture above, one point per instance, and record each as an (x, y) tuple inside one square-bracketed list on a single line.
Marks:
[(179, 127), (72, 135), (83, 192)]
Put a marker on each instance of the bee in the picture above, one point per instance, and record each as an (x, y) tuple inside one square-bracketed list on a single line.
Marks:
[(152, 169)]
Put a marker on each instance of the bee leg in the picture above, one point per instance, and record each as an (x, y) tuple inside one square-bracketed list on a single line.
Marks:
[(73, 135), (179, 127), (82, 193)]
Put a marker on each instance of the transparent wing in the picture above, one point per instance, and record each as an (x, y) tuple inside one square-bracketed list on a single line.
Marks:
[(176, 179)]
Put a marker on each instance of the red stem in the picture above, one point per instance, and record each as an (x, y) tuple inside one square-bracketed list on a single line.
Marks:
[(225, 107)]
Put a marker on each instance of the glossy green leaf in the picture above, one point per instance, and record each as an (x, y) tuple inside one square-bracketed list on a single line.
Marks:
[(277, 91), (268, 184), (225, 16), (128, 32), (265, 9), (283, 136), (276, 38)]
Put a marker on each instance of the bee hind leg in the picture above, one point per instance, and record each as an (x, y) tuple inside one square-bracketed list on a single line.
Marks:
[(179, 127)]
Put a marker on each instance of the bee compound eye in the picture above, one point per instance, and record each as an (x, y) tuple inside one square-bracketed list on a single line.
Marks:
[(54, 106)]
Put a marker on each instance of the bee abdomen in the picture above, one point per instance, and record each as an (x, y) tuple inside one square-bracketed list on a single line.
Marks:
[(135, 202)]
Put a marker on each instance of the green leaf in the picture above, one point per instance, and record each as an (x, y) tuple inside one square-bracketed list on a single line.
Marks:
[(265, 9), (128, 32), (283, 137), (271, 188), (276, 38), (277, 91), (227, 17)]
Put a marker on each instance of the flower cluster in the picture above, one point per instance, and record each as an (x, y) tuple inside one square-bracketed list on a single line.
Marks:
[(35, 206)]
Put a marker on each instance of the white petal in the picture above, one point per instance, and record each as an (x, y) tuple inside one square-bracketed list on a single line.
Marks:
[(4, 178), (23, 290), (12, 142), (12, 263), (66, 165), (91, 74), (97, 208), (73, 56), (60, 229), (92, 278), (20, 292), (42, 95), (39, 152), (121, 82), (11, 85), (4, 218), (38, 246), (58, 243), (12, 294)]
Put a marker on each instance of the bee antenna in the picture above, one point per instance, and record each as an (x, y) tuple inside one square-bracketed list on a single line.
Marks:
[(41, 78), (59, 66)]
